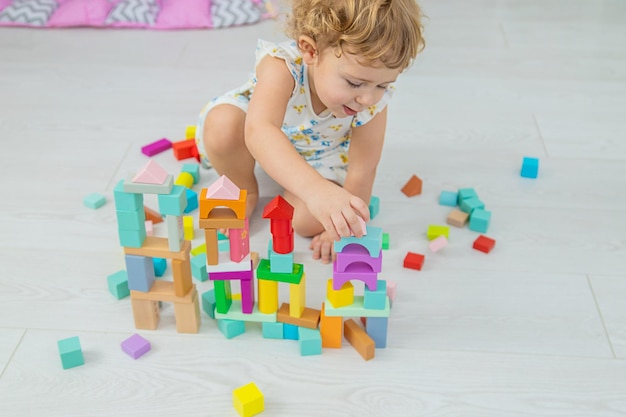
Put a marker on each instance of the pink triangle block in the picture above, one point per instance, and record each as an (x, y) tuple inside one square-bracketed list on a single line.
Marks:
[(223, 189), (151, 173)]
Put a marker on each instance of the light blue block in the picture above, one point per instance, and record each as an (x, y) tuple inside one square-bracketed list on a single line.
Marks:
[(94, 200), (310, 341), (118, 284), (223, 245), (192, 200), (372, 241), (272, 330), (194, 170), (280, 263), (208, 303), (231, 328), (131, 219), (465, 193), (198, 267), (376, 328), (448, 198), (468, 205), (374, 206), (126, 201), (530, 167), (70, 352), (173, 203), (479, 220), (160, 266), (132, 238), (140, 271), (290, 332), (376, 300)]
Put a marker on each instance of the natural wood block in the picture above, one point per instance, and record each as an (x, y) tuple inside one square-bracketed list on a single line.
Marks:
[(331, 330), (158, 247), (163, 291), (359, 339), (310, 317), (457, 218), (413, 187), (145, 313), (181, 271), (188, 315)]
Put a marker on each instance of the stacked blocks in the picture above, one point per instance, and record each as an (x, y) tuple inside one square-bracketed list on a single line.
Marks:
[(357, 259), (140, 249)]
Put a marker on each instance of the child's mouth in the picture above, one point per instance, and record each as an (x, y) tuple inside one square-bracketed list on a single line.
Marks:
[(349, 111)]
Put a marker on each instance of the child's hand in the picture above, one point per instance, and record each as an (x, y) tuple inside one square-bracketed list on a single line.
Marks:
[(337, 210), (322, 246)]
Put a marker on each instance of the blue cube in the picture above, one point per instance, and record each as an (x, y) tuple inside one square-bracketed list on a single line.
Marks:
[(530, 167), (448, 198)]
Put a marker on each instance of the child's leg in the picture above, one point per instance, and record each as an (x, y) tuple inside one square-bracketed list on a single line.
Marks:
[(224, 144)]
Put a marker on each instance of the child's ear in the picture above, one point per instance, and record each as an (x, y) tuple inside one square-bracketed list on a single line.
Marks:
[(308, 48)]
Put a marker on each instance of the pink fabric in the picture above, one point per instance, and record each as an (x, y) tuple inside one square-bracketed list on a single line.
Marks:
[(180, 14), (80, 13)]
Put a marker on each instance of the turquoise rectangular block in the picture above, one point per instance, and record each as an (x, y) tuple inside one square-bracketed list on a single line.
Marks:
[(356, 309), (192, 200), (208, 303), (223, 245), (231, 328), (118, 284), (290, 331), (479, 220), (131, 219), (198, 267), (194, 170), (280, 263), (173, 203), (126, 201), (448, 198), (94, 200), (530, 167), (376, 300), (272, 330), (132, 238), (374, 206), (468, 205), (465, 193), (140, 271), (70, 352), (310, 341)]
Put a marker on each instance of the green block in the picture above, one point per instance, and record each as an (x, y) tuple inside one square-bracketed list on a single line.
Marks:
[(264, 272), (208, 303), (70, 352), (118, 284), (231, 328), (385, 241), (434, 231), (272, 330), (235, 313), (223, 296), (310, 341), (356, 309)]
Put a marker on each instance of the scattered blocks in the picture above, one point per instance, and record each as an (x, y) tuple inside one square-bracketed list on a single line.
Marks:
[(248, 400), (438, 243), (465, 193), (457, 218), (448, 198), (190, 132), (413, 187), (118, 284), (530, 167), (385, 244), (94, 200), (185, 149), (484, 244), (135, 346), (434, 231), (479, 220), (70, 352), (310, 341), (413, 261), (156, 147)]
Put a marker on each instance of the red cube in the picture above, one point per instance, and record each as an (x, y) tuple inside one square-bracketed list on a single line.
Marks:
[(414, 261), (484, 244)]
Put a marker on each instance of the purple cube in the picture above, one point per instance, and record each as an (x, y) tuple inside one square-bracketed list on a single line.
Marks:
[(135, 346)]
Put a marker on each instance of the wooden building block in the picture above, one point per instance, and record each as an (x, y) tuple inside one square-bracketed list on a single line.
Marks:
[(359, 339), (268, 296), (222, 218), (211, 247), (248, 400), (145, 313), (207, 205), (413, 187), (341, 297), (331, 330), (188, 315), (413, 261), (457, 218), (163, 291), (181, 271), (158, 247), (309, 319), (297, 297), (484, 244), (152, 215)]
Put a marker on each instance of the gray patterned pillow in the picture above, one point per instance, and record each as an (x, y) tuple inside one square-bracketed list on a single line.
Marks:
[(29, 12), (138, 12), (226, 13)]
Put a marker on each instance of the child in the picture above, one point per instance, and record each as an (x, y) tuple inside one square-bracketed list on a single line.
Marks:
[(314, 104)]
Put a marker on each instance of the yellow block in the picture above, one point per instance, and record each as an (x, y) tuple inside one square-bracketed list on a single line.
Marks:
[(185, 179), (268, 296), (297, 297), (188, 227), (198, 249), (248, 400), (342, 297), (236, 296), (190, 132)]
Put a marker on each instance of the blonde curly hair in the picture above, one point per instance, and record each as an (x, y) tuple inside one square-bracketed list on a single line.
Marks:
[(387, 31)]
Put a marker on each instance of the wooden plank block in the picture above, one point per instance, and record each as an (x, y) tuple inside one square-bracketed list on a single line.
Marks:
[(163, 291), (359, 339), (158, 247), (309, 319)]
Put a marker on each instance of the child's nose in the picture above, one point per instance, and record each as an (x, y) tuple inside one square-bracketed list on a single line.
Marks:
[(368, 99)]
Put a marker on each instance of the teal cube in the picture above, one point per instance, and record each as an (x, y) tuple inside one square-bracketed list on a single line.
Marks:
[(479, 220), (194, 170), (468, 205), (118, 284), (94, 200), (310, 341), (173, 203), (465, 193), (272, 330), (131, 219), (126, 201), (376, 300), (231, 328), (192, 200), (374, 206), (132, 238), (530, 167), (70, 352), (448, 198), (198, 267), (290, 332), (280, 263), (208, 303)]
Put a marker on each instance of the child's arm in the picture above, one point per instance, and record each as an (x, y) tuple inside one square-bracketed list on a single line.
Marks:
[(334, 207)]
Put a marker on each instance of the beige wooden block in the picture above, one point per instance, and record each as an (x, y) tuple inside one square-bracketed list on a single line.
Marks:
[(188, 315), (145, 313), (181, 271), (457, 218), (158, 247)]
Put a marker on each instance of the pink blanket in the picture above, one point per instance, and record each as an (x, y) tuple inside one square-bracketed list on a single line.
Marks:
[(145, 14)]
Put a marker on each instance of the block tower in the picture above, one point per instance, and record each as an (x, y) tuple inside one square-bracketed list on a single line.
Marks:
[(139, 249), (223, 206), (357, 259)]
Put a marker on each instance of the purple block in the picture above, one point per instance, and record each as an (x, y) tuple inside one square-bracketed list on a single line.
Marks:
[(352, 254), (359, 272), (135, 346), (231, 275), (156, 147), (247, 296)]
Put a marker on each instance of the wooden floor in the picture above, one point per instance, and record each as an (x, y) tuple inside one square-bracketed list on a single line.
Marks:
[(535, 328)]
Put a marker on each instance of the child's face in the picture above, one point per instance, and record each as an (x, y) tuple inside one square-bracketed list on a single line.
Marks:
[(345, 86)]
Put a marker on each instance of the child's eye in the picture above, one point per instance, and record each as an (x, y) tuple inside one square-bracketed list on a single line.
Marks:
[(353, 85)]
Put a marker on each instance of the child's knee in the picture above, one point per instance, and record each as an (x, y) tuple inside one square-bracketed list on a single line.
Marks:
[(223, 129)]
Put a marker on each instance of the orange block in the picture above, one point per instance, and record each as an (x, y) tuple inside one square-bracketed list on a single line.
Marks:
[(359, 339), (331, 330), (310, 317), (413, 187), (153, 215)]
